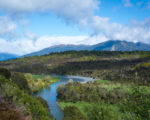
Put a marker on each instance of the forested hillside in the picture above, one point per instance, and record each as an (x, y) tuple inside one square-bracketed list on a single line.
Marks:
[(96, 64)]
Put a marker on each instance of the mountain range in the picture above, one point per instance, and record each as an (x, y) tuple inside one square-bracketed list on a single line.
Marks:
[(7, 56), (110, 45)]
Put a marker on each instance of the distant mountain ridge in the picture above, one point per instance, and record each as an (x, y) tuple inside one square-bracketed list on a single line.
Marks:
[(121, 46), (7, 56), (58, 48), (111, 45)]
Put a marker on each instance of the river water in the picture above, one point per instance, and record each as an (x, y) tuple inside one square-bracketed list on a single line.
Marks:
[(50, 95)]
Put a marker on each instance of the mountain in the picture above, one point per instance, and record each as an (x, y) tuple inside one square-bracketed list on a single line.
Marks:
[(121, 46), (111, 45), (7, 56), (58, 48)]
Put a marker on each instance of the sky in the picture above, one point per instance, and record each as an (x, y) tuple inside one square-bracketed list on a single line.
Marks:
[(31, 25)]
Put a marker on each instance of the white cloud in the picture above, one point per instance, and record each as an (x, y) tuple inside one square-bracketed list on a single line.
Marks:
[(30, 35), (137, 31), (127, 3), (24, 46), (79, 11), (75, 10), (7, 27)]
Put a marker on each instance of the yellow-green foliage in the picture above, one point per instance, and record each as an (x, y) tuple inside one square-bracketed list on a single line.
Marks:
[(37, 82), (29, 104), (145, 64), (88, 58)]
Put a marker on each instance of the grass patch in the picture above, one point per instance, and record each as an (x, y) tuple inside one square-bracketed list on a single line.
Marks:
[(96, 111)]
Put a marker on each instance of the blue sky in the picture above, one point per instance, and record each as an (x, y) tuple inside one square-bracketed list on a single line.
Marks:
[(36, 24), (51, 24), (118, 12)]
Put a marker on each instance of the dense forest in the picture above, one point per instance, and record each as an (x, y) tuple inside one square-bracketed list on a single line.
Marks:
[(120, 91)]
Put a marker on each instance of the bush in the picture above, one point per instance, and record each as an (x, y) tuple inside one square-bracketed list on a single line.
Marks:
[(72, 113), (101, 113), (138, 104), (44, 102), (9, 111), (4, 72), (19, 79), (31, 106)]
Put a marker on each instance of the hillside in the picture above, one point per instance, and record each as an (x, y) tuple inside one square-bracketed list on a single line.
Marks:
[(121, 90), (86, 63), (105, 46), (17, 101)]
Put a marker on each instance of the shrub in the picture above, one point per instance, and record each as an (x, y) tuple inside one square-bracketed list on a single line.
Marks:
[(102, 113), (19, 79), (44, 102), (32, 106), (138, 104), (4, 72), (72, 113), (9, 111)]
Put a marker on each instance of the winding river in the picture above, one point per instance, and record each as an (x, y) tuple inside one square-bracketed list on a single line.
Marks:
[(50, 94)]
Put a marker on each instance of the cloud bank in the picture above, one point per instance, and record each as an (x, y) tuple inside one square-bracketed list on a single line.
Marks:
[(75, 10), (81, 12), (25, 46)]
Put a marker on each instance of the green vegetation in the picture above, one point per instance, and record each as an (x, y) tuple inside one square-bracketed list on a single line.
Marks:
[(16, 101), (107, 100), (95, 111), (73, 113), (4, 72), (37, 82), (97, 64), (123, 93), (145, 65)]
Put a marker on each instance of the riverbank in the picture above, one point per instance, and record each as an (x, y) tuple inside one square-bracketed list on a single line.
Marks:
[(50, 95), (16, 100), (103, 99), (38, 82)]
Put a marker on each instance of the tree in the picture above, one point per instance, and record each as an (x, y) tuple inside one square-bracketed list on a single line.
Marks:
[(4, 72), (19, 79)]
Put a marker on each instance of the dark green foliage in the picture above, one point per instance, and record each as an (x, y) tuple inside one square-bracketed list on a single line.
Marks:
[(101, 113), (6, 73), (72, 113), (109, 100), (44, 102), (89, 92), (138, 104), (19, 79), (14, 92), (127, 72)]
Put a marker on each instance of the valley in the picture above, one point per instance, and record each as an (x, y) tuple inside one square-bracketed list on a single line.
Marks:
[(120, 89), (74, 59)]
